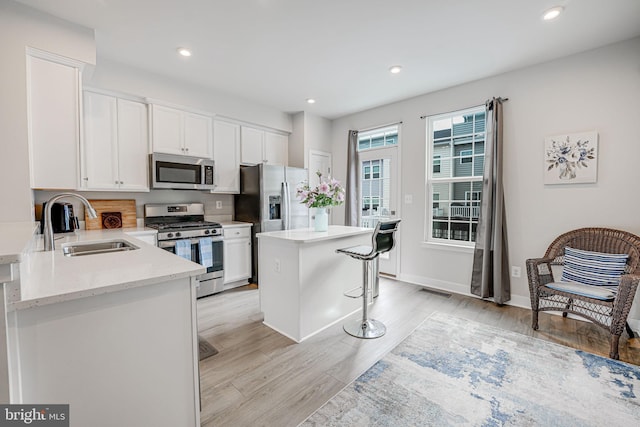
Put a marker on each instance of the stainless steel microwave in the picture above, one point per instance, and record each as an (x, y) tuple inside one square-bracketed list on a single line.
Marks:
[(181, 172)]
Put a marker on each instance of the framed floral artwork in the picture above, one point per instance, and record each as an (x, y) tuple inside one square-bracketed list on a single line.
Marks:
[(571, 158)]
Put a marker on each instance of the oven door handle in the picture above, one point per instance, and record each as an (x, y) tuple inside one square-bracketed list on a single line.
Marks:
[(172, 243)]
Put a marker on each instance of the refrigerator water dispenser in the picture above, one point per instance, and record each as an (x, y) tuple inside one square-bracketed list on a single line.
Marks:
[(274, 207)]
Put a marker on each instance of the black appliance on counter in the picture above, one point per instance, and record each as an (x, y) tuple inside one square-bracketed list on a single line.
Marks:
[(62, 218), (185, 222)]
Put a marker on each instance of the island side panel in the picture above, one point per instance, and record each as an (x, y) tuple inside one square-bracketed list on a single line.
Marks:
[(121, 358), (278, 285), (325, 276)]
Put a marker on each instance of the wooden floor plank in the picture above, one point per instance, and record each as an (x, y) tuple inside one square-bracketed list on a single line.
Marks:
[(260, 377)]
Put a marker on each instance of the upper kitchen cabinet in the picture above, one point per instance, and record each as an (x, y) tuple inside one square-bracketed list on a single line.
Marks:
[(53, 102), (175, 131), (226, 154), (260, 146), (116, 146)]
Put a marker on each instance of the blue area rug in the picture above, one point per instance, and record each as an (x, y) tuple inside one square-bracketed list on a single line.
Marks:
[(452, 371)]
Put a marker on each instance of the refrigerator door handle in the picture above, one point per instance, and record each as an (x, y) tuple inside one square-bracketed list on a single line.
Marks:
[(285, 205)]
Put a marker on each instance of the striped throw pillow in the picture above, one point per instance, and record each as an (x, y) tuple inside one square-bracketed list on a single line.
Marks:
[(593, 268)]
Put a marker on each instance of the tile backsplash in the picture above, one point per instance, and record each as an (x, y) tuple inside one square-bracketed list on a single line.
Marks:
[(210, 201)]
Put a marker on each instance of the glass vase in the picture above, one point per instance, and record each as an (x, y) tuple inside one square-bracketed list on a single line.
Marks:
[(321, 220)]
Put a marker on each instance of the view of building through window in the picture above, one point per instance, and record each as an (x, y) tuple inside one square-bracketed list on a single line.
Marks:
[(455, 145), (375, 179)]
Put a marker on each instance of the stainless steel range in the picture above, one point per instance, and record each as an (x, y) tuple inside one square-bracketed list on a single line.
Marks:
[(183, 231)]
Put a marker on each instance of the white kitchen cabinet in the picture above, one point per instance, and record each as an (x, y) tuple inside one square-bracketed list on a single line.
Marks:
[(115, 147), (53, 101), (237, 255), (260, 146), (175, 131), (226, 154), (252, 145)]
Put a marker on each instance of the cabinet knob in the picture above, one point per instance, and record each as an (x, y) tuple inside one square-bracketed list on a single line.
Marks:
[(85, 179)]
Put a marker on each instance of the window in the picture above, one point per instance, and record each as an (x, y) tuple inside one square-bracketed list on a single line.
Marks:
[(455, 155), (465, 156), (377, 138), (436, 164)]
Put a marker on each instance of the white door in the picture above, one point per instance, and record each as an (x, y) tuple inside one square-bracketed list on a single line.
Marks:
[(319, 161), (378, 179)]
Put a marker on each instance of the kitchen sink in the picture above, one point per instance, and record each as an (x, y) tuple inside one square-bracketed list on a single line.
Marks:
[(94, 248)]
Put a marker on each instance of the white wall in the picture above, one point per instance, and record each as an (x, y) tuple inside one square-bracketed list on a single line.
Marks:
[(123, 78), (297, 141), (310, 132), (597, 90), (20, 27)]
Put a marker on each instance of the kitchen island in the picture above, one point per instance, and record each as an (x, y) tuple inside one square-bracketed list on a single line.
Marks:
[(113, 334), (302, 280)]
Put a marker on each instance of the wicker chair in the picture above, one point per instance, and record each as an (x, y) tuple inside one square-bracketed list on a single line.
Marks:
[(610, 314)]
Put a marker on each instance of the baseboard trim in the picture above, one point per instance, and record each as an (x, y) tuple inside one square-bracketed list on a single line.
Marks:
[(463, 289)]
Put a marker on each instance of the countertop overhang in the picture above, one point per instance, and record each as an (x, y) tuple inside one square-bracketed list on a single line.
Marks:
[(50, 277), (308, 235)]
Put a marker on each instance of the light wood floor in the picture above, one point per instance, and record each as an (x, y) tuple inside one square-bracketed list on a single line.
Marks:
[(261, 378)]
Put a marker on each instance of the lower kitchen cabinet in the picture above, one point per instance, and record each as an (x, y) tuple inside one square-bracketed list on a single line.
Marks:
[(237, 255)]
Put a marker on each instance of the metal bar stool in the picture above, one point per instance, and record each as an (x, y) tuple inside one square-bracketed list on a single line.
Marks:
[(381, 242)]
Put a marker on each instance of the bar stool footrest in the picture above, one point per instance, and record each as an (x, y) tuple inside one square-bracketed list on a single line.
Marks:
[(355, 292)]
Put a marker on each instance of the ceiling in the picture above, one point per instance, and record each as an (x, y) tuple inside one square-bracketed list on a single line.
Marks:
[(278, 53)]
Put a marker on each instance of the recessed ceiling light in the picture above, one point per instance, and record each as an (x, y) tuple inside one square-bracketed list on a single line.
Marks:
[(552, 13), (184, 51), (311, 101), (395, 69)]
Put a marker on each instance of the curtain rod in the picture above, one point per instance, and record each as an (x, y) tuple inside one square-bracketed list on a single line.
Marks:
[(379, 126), (453, 111)]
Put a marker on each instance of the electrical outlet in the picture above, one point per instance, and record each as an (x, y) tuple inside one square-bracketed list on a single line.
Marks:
[(408, 199), (515, 271), (218, 204), (276, 265)]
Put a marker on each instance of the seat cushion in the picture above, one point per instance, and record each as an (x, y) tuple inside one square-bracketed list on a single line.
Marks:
[(593, 268), (597, 292)]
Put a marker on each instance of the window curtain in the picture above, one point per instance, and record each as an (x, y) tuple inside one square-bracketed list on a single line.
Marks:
[(351, 199), (490, 274)]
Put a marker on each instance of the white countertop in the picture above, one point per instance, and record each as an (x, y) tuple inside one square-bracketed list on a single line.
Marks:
[(234, 224), (51, 277), (308, 235), (14, 240)]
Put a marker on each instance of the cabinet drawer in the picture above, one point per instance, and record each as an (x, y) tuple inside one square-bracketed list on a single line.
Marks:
[(237, 232)]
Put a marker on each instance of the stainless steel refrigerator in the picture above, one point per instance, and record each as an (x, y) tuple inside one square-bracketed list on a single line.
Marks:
[(268, 200)]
